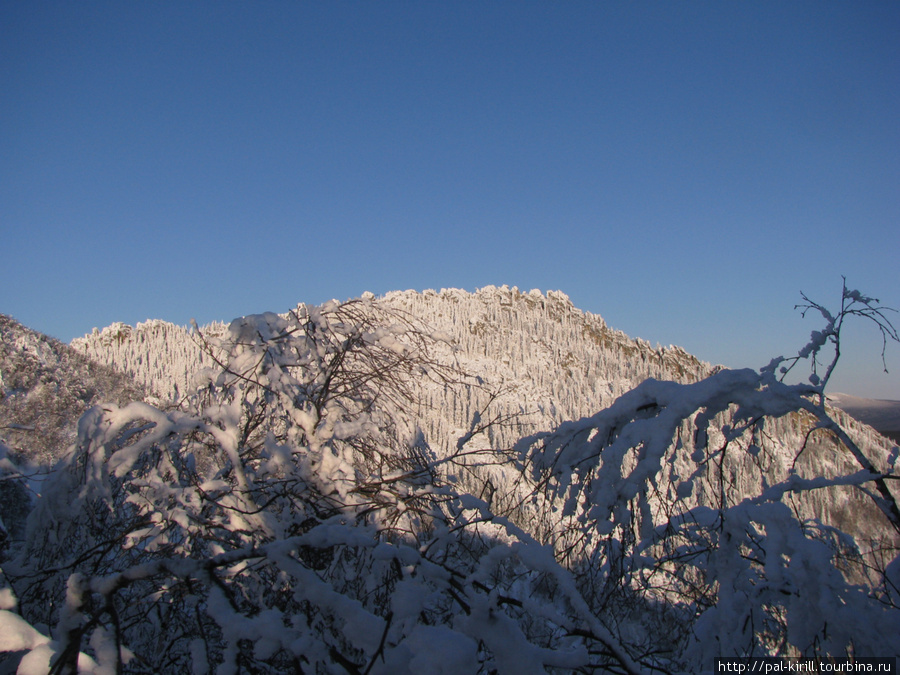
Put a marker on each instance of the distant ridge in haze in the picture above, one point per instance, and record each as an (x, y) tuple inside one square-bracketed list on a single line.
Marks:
[(882, 415)]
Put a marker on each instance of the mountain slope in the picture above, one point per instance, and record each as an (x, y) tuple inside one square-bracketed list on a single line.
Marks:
[(45, 386), (532, 355), (535, 361)]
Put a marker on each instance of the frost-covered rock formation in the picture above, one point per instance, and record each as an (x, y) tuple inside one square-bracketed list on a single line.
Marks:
[(159, 355), (545, 360)]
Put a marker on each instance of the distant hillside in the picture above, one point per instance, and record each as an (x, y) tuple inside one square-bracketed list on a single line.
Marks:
[(45, 386), (881, 415)]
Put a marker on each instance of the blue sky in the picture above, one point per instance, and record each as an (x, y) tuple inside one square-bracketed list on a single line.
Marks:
[(682, 169)]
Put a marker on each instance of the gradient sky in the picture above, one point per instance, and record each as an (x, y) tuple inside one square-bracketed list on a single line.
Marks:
[(682, 169)]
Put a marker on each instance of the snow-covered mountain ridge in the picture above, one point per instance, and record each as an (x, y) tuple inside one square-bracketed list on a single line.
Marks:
[(535, 360), (550, 361), (454, 472), (546, 360)]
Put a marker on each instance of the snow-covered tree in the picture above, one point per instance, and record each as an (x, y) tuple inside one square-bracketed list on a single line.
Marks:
[(290, 519), (653, 526), (292, 516)]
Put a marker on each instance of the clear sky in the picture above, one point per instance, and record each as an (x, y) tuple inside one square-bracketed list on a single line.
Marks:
[(682, 169)]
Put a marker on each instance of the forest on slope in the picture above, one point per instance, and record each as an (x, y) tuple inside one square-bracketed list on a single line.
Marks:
[(45, 386), (474, 482)]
